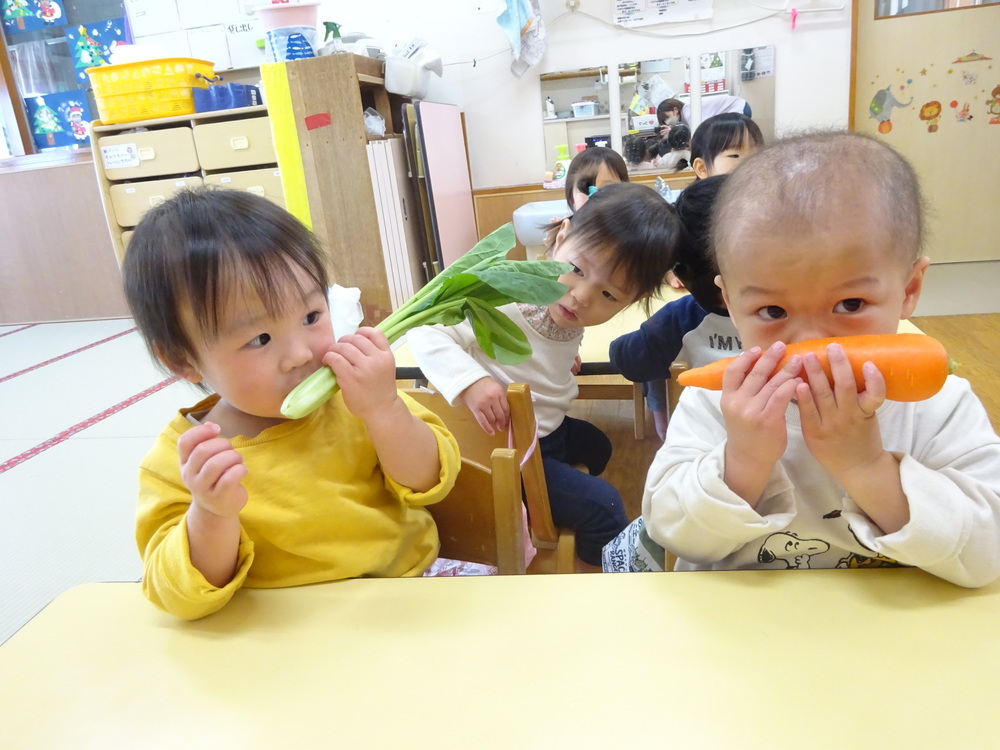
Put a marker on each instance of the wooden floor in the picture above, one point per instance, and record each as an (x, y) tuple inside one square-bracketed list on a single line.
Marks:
[(972, 342)]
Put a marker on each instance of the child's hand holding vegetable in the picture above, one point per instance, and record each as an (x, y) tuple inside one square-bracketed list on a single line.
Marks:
[(842, 433), (753, 404), (838, 422), (366, 372)]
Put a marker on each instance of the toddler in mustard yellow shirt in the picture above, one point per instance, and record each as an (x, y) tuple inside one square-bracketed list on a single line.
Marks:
[(229, 292)]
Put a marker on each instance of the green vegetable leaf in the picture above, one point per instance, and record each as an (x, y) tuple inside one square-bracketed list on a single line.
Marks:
[(490, 248), (497, 335), (472, 287), (527, 281)]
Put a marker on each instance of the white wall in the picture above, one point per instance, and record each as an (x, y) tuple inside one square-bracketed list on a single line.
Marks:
[(503, 113)]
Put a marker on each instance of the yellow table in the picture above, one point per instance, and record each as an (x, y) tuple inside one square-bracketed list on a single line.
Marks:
[(817, 659)]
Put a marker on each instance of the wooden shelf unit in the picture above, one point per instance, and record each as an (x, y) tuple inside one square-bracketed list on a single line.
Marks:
[(140, 164), (328, 183)]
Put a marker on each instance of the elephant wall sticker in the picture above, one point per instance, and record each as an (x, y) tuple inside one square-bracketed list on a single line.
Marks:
[(881, 108)]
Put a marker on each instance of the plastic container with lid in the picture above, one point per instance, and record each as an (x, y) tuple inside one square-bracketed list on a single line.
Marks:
[(277, 15)]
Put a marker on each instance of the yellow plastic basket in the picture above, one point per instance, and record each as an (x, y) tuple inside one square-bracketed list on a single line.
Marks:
[(148, 89)]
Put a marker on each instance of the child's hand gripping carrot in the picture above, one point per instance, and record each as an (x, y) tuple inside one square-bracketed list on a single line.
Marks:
[(837, 420), (914, 366), (756, 392)]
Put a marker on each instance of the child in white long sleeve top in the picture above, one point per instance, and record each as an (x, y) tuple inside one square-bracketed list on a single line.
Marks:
[(620, 244), (784, 470)]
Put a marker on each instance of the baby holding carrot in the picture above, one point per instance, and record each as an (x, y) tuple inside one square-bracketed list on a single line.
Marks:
[(820, 236)]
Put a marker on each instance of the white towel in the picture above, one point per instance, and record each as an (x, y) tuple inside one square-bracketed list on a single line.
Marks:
[(522, 21)]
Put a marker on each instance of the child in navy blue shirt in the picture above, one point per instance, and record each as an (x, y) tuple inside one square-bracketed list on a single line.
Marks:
[(695, 328)]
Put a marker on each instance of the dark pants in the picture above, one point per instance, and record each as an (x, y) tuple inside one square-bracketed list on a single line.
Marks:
[(584, 502)]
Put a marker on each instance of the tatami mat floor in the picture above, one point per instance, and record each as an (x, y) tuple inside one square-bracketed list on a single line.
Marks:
[(81, 404)]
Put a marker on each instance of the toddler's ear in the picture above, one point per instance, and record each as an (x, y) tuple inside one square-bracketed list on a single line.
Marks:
[(561, 234), (179, 366), (700, 168), (914, 286)]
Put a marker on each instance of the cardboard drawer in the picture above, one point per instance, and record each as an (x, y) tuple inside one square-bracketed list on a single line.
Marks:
[(131, 200), (235, 143), (264, 182), (156, 152)]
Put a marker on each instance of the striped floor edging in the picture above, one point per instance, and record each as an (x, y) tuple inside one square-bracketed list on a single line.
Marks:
[(5, 378), (66, 434), (18, 330)]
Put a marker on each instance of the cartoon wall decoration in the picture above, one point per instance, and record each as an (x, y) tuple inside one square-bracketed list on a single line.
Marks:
[(993, 106), (93, 44), (30, 15), (61, 119), (961, 115), (948, 65), (935, 81), (931, 113), (882, 105)]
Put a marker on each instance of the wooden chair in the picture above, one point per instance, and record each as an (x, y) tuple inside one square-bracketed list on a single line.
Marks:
[(484, 523), (673, 387), (556, 546)]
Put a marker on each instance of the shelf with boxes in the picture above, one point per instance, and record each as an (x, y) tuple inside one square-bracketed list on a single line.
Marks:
[(141, 164)]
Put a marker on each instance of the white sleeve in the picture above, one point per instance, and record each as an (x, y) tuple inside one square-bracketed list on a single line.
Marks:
[(687, 507), (951, 477), (442, 353)]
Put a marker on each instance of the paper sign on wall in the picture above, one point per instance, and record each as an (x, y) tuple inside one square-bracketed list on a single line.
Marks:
[(647, 12)]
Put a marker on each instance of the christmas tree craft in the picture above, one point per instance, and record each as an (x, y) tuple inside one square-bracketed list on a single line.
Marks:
[(46, 122), (16, 11), (86, 51)]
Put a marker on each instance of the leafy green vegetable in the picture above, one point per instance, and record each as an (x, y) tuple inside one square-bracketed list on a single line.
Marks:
[(470, 288)]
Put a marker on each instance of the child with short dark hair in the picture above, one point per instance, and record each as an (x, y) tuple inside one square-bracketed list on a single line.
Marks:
[(229, 290), (619, 244), (820, 236), (590, 170), (696, 328), (721, 142)]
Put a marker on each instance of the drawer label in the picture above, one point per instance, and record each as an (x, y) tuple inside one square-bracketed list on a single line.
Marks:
[(120, 156)]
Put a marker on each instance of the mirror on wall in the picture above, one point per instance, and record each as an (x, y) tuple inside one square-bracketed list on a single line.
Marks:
[(579, 115), (574, 111), (888, 8)]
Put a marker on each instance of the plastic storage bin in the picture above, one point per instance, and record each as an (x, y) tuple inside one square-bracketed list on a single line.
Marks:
[(584, 109), (148, 89), (276, 15)]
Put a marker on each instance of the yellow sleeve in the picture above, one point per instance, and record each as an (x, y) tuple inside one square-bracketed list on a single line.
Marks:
[(169, 580), (449, 459)]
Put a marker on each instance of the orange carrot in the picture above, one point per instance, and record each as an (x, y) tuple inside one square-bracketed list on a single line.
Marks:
[(914, 365)]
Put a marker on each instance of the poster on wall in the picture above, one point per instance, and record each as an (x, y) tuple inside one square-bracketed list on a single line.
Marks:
[(943, 93), (93, 44), (59, 120), (647, 12), (31, 15)]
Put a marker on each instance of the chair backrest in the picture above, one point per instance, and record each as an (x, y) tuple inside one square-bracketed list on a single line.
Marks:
[(673, 387), (556, 546), (481, 520), (482, 452)]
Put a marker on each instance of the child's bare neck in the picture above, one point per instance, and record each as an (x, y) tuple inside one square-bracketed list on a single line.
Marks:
[(233, 422)]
